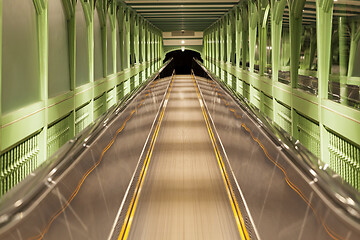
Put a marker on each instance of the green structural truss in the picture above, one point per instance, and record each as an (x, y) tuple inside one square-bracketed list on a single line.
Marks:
[(65, 63), (298, 70)]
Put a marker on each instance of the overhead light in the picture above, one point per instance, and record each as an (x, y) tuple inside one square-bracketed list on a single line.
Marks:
[(182, 42), (183, 49)]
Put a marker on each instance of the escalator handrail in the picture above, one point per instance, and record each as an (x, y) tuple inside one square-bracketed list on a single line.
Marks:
[(20, 200)]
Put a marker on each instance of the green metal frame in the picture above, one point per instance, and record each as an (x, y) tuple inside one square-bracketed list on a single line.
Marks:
[(30, 135), (313, 119)]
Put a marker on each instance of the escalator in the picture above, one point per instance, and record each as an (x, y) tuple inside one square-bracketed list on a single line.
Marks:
[(183, 195), (182, 159)]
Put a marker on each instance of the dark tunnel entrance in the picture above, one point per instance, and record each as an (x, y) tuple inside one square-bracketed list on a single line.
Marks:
[(182, 60)]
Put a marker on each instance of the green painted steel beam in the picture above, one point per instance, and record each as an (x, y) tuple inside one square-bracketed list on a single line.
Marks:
[(302, 42), (37, 130)]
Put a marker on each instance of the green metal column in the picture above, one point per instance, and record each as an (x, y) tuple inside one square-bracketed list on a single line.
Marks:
[(245, 35), (146, 42), (277, 12), (42, 29), (206, 48), (220, 44), (69, 7), (238, 36), (161, 49), (132, 39), (228, 46), (219, 51), (141, 47), (233, 22), (136, 38), (263, 15), (324, 16), (310, 48), (127, 38), (228, 37), (343, 58), (355, 37), (112, 18), (155, 49), (296, 9), (253, 18), (148, 53), (89, 7), (213, 54), (204, 52), (210, 54), (224, 39), (121, 19), (141, 39), (158, 50), (151, 52), (285, 50), (101, 7), (209, 50), (152, 49)]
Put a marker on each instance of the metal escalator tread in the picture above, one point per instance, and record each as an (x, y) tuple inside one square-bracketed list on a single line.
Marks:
[(183, 195)]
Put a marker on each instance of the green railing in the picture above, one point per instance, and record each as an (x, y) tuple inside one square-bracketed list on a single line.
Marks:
[(342, 149), (64, 64)]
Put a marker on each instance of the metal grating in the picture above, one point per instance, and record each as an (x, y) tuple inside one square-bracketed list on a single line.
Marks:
[(126, 87), (120, 91), (309, 134), (345, 159), (239, 87), (58, 134), (268, 106), (99, 106), (132, 83), (18, 162), (283, 116), (110, 98), (223, 76), (233, 82), (82, 118), (246, 88), (255, 97)]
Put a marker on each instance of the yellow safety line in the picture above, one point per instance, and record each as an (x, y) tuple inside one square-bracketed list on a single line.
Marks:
[(235, 207), (125, 230)]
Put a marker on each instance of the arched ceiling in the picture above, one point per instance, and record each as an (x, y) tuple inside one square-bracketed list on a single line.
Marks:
[(176, 15)]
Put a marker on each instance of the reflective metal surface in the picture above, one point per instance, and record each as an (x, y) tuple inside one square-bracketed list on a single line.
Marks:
[(183, 196)]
